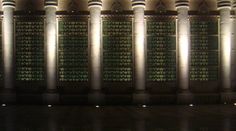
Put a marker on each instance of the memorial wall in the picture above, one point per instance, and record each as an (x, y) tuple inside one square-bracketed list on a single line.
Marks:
[(73, 50), (165, 79), (204, 50)]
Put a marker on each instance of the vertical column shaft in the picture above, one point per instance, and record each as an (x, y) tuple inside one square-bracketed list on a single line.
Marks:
[(224, 6), (95, 7), (8, 43), (139, 44), (233, 54), (183, 34), (51, 43)]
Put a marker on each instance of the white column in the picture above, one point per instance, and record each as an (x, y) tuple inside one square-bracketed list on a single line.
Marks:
[(95, 96), (8, 43), (51, 95), (140, 95), (183, 44), (139, 44), (51, 44), (224, 6), (95, 7)]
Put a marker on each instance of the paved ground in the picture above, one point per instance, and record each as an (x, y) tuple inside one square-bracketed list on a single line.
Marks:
[(118, 118)]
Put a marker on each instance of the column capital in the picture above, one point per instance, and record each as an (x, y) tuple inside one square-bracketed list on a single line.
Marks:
[(234, 5), (50, 3), (95, 3), (138, 3), (223, 4), (8, 3), (181, 4)]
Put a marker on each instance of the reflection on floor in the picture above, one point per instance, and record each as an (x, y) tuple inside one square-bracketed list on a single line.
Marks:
[(118, 118)]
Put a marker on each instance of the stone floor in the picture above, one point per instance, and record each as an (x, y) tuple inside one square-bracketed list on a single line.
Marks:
[(118, 118)]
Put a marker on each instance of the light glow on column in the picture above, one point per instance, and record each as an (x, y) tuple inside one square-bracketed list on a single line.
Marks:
[(139, 47), (184, 50), (183, 29), (226, 48), (8, 44), (51, 46), (95, 46), (225, 41)]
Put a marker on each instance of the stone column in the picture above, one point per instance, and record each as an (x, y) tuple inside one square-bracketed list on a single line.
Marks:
[(233, 54), (51, 95), (183, 48), (140, 96), (95, 45), (224, 7), (8, 95)]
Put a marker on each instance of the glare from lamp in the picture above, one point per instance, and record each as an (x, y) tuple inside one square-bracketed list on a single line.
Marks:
[(144, 106)]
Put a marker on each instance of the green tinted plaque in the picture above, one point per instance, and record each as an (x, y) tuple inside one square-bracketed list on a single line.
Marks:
[(161, 45), (73, 50), (30, 49), (204, 49), (117, 50)]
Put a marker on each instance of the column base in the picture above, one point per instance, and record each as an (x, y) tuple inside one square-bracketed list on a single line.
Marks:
[(51, 98), (96, 98), (7, 96), (228, 97), (141, 98), (184, 97)]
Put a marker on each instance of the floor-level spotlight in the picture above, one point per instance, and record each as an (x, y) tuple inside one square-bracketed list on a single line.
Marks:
[(144, 106), (191, 105)]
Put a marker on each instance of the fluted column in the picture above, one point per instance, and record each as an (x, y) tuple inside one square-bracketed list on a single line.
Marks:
[(8, 7), (51, 95), (224, 7), (183, 47), (138, 7), (95, 7)]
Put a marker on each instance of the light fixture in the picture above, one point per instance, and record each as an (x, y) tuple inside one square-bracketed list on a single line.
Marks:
[(49, 106), (144, 106), (97, 106), (4, 105), (191, 105)]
